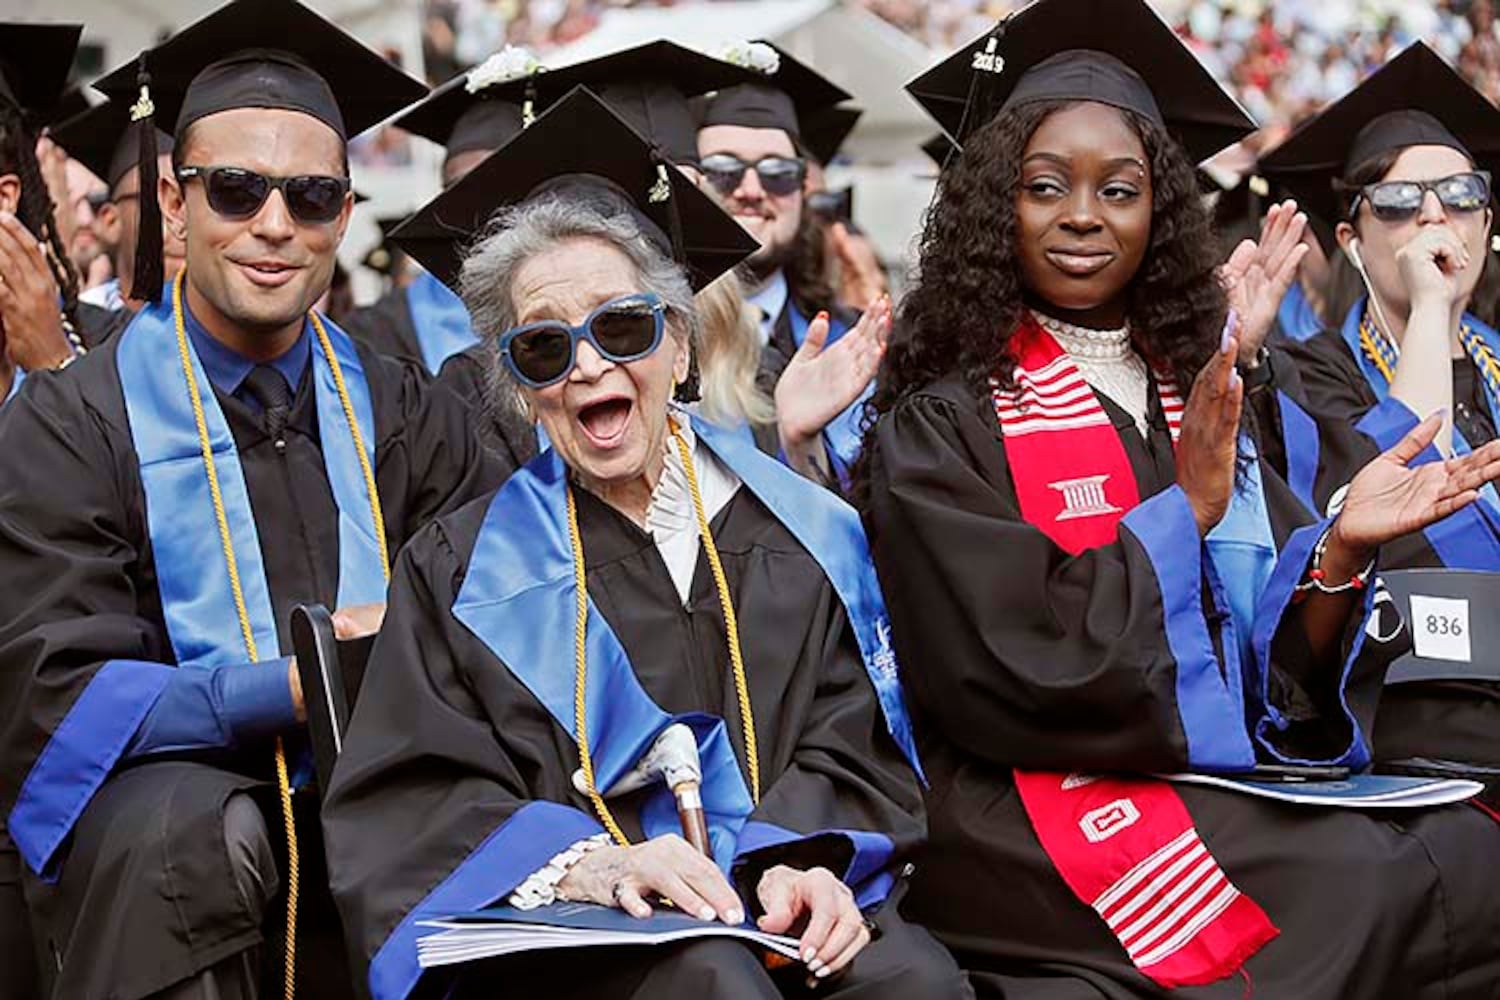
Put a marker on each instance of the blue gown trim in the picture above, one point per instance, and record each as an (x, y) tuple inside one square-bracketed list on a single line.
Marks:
[(84, 748), (521, 845), (440, 319)]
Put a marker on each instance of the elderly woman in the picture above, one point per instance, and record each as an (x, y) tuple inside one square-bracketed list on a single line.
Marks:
[(649, 569), (1092, 584)]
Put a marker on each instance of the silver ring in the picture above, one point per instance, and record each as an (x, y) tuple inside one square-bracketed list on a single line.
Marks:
[(616, 890)]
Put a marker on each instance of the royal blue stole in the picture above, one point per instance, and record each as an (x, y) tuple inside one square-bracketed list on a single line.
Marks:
[(440, 319), (844, 435), (518, 599), (1465, 540), (197, 601)]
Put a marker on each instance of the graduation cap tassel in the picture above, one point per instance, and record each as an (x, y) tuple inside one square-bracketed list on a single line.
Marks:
[(149, 272), (661, 192)]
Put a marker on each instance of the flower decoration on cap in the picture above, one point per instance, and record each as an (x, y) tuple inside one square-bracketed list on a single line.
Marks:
[(757, 56), (510, 63)]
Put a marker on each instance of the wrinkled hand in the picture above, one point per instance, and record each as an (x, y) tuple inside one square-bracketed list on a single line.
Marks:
[(1258, 274), (820, 383), (835, 930), (358, 620), (34, 337), (1207, 446), (1431, 263), (1388, 498), (861, 278), (666, 866)]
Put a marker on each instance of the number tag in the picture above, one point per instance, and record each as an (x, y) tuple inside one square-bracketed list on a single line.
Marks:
[(1440, 626)]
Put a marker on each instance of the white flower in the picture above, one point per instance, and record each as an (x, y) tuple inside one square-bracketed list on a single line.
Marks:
[(756, 56), (510, 63)]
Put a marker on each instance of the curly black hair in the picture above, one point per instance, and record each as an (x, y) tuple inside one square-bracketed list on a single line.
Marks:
[(969, 295), (35, 211)]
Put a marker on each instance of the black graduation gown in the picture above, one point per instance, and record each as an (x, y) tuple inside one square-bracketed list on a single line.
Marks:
[(404, 815), (1016, 654), (387, 327), (504, 432), (96, 325), (144, 898), (1447, 720)]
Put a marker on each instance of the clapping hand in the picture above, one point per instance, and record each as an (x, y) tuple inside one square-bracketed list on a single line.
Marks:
[(1207, 447), (821, 382), (1259, 273)]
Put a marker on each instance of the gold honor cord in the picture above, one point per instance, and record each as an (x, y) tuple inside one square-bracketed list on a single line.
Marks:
[(1377, 348), (283, 782), (580, 639), (1381, 351)]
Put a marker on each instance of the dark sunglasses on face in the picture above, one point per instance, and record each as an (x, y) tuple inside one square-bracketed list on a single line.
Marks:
[(1396, 201), (779, 175), (237, 193), (622, 330)]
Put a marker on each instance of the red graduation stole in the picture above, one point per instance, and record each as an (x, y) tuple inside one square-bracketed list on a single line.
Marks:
[(1126, 846)]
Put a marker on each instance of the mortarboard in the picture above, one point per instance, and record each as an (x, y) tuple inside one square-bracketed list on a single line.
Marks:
[(825, 130), (274, 54), (940, 149), (787, 92), (548, 157), (468, 112), (1115, 52), (34, 63), (104, 139), (648, 85), (1416, 99)]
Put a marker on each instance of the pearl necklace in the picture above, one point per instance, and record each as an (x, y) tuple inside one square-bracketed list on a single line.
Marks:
[(1108, 362)]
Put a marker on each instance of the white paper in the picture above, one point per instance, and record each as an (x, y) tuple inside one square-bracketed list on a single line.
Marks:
[(1358, 791), (1440, 627)]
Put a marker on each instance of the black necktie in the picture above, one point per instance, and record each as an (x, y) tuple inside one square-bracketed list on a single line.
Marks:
[(275, 397)]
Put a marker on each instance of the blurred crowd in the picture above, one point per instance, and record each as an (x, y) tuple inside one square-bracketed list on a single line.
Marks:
[(1284, 59)]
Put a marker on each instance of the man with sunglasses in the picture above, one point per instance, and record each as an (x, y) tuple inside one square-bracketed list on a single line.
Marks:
[(165, 504), (105, 141), (1402, 165), (752, 155)]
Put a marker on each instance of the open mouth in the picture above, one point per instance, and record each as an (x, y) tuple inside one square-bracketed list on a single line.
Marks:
[(605, 422), (1080, 263)]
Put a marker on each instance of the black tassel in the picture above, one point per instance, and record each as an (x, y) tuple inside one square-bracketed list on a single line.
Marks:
[(149, 272)]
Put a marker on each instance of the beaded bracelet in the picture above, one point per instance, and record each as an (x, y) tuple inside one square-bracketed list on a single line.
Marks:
[(1316, 575)]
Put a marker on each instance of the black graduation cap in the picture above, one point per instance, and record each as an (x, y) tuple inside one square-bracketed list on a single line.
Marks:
[(251, 54), (384, 257), (35, 60), (647, 85), (103, 138), (467, 113), (549, 156), (834, 206), (940, 149), (72, 103), (786, 92), (1416, 99), (825, 129), (1115, 52)]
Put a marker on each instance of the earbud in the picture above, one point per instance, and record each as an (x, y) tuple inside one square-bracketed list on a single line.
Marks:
[(1352, 249)]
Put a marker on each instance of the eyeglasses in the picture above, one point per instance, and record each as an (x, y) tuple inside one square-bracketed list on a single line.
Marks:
[(779, 175), (622, 330), (1395, 201), (237, 193)]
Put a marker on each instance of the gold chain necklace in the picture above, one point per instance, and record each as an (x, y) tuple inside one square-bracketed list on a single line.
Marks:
[(580, 639), (283, 783)]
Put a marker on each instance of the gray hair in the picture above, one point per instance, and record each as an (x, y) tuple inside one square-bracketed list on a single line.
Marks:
[(516, 234)]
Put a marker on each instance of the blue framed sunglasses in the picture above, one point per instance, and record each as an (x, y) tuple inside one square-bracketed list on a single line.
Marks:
[(622, 330)]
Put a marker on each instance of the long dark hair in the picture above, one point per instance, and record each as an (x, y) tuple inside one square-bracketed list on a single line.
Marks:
[(969, 294), (18, 156)]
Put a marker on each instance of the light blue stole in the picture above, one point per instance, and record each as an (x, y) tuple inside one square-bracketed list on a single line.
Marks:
[(197, 600), (518, 598), (440, 319)]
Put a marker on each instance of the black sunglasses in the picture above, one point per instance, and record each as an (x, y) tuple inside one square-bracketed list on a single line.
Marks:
[(779, 175), (1395, 201), (237, 193), (622, 330)]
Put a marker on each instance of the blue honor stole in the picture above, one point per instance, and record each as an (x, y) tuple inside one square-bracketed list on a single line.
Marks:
[(197, 599), (440, 319), (1470, 538), (521, 571)]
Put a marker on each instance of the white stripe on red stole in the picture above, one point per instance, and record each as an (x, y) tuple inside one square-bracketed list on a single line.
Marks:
[(1126, 846)]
